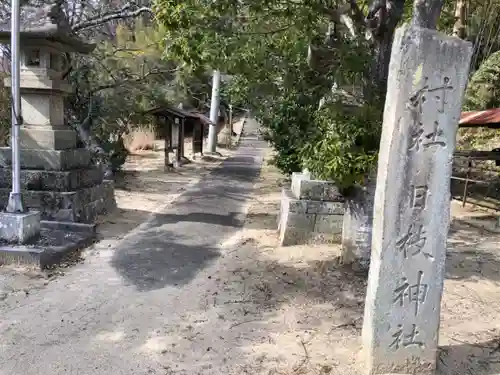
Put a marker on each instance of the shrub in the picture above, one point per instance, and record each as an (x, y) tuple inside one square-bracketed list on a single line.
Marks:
[(344, 145)]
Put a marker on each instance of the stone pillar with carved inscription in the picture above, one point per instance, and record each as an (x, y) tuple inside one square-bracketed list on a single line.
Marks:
[(427, 78)]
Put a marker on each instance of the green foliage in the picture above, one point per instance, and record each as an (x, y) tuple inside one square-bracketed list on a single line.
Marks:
[(264, 46), (120, 80), (483, 91), (345, 143)]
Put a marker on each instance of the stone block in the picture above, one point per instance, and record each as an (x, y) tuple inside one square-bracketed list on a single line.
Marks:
[(47, 139), (328, 224), (317, 190), (108, 196), (83, 205), (57, 160), (290, 236), (324, 207), (49, 249), (42, 110), (53, 180), (303, 221), (297, 177), (19, 227)]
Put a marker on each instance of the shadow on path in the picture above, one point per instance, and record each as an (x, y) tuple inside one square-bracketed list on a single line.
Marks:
[(172, 247)]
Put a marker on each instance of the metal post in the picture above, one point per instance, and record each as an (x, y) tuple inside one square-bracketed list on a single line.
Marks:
[(214, 112), (230, 126), (15, 204)]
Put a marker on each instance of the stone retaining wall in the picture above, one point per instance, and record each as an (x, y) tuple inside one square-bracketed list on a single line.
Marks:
[(311, 211)]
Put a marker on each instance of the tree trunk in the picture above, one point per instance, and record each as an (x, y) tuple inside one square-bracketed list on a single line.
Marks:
[(460, 13), (91, 143), (357, 225), (426, 13)]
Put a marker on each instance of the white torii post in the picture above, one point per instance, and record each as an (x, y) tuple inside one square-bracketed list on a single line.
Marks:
[(214, 112)]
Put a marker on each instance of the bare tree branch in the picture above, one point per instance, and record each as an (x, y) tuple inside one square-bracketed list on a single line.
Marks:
[(123, 13)]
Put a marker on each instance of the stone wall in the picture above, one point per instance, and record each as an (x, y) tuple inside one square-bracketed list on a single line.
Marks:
[(311, 211)]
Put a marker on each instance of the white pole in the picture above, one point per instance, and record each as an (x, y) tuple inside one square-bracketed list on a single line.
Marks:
[(214, 112), (15, 204)]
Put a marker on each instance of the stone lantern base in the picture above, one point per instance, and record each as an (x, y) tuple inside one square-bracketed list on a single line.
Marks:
[(62, 185)]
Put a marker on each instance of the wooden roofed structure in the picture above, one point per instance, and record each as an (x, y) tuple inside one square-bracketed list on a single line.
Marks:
[(174, 124)]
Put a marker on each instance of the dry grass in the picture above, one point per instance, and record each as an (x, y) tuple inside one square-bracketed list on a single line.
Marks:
[(140, 138)]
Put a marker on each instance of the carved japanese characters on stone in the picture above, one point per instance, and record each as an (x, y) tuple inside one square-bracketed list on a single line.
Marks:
[(418, 137), (419, 197), (413, 241), (405, 339), (413, 294)]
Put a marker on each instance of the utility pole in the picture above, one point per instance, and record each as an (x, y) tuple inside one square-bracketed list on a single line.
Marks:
[(214, 112), (15, 204)]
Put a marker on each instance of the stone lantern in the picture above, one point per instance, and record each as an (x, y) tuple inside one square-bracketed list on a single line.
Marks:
[(58, 178)]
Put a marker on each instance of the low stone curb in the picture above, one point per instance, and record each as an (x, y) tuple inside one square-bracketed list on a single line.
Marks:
[(68, 226), (43, 256)]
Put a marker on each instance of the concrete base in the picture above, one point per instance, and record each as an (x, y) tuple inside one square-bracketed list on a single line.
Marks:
[(56, 160), (49, 249), (82, 205), (304, 221), (19, 228)]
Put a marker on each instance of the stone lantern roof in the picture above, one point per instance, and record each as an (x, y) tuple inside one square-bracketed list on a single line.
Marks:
[(46, 23)]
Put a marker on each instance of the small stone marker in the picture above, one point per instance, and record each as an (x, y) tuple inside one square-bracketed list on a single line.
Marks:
[(427, 79)]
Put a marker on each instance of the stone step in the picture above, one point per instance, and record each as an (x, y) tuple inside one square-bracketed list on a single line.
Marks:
[(82, 206), (55, 160), (47, 250), (53, 180)]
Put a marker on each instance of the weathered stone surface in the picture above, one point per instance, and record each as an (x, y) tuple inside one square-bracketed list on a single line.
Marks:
[(291, 236), (47, 139), (19, 228), (307, 221), (324, 208), (318, 190), (46, 250), (296, 178), (53, 180), (57, 160), (67, 226), (83, 205), (428, 75), (331, 224)]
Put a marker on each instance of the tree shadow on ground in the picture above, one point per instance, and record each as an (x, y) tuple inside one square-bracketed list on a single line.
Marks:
[(470, 358), (173, 246), (156, 259)]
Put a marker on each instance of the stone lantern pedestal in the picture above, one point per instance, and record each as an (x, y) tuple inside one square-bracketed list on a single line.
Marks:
[(58, 179)]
